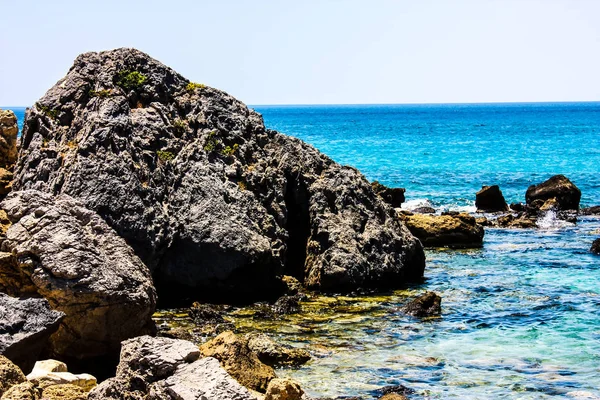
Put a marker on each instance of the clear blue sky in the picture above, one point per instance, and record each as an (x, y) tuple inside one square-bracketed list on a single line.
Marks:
[(321, 51)]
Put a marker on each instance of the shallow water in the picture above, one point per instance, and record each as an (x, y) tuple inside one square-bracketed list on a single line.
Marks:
[(520, 315)]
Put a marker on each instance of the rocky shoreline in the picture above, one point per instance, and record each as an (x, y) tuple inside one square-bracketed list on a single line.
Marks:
[(133, 188)]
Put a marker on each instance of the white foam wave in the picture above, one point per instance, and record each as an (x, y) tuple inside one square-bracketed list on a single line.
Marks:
[(550, 221), (411, 205)]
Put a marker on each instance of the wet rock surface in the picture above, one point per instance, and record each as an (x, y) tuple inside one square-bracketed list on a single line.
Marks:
[(428, 304), (456, 230), (65, 253), (215, 204), (490, 199), (284, 389), (25, 329), (274, 354), (558, 188), (595, 246)]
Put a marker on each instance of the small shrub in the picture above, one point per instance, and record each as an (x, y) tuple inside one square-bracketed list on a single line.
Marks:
[(242, 185), (165, 155), (229, 151), (192, 86), (52, 113), (130, 80), (104, 93), (72, 144), (180, 125), (44, 143), (211, 142)]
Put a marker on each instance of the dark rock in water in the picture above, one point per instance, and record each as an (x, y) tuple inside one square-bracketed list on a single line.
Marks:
[(206, 313), (274, 354), (424, 210), (239, 361), (455, 230), (521, 220), (392, 196), (215, 204), (518, 207), (25, 327), (167, 369), (65, 253), (490, 199), (594, 210), (425, 305), (288, 304), (595, 246), (388, 392), (558, 187)]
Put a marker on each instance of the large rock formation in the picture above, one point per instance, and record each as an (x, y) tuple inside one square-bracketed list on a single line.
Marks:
[(163, 369), (558, 191), (215, 204), (452, 229), (490, 199), (65, 253), (25, 327)]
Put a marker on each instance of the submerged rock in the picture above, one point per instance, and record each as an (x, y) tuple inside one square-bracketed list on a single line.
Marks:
[(239, 361), (490, 199), (392, 196), (8, 138), (25, 328), (167, 369), (456, 230), (68, 255), (10, 375), (274, 354), (428, 304), (565, 194), (595, 246), (594, 210), (215, 204)]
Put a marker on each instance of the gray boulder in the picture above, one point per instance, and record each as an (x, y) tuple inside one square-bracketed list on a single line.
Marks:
[(215, 204), (163, 369), (25, 327), (65, 253)]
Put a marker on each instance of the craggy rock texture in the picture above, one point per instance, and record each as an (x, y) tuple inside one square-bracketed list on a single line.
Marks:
[(393, 196), (215, 204), (68, 255), (595, 246), (239, 361), (490, 199), (428, 304), (64, 392), (163, 369), (559, 188), (8, 138), (22, 391), (449, 229), (10, 375), (25, 327), (274, 354), (284, 389)]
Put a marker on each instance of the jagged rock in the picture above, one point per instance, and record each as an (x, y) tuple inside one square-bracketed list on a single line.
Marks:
[(6, 178), (208, 319), (394, 390), (450, 229), (165, 369), (10, 375), (239, 361), (558, 187), (71, 257), (392, 196), (428, 304), (64, 392), (594, 210), (25, 327), (595, 246), (22, 391), (215, 204), (4, 223), (490, 199), (518, 207), (521, 220), (274, 354), (293, 285), (424, 210), (8, 138), (284, 389)]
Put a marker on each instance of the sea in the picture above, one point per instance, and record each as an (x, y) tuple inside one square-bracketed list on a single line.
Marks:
[(521, 315)]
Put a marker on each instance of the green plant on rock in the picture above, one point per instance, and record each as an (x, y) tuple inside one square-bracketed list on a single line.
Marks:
[(242, 185), (165, 156), (211, 142), (180, 125), (192, 86), (49, 112), (130, 80), (230, 150), (103, 93)]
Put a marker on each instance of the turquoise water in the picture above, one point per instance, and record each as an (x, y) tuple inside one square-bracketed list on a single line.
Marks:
[(520, 315)]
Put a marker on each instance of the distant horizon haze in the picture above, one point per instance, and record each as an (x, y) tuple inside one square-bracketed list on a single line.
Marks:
[(322, 52)]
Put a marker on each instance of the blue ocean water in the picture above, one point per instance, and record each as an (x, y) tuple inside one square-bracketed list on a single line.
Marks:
[(520, 315)]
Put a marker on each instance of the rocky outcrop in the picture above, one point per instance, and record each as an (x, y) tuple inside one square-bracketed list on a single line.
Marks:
[(595, 246), (25, 328), (239, 361), (490, 199), (284, 389), (167, 369), (563, 194), (8, 138), (67, 254), (274, 354), (428, 304), (455, 230), (215, 204), (393, 196), (10, 375)]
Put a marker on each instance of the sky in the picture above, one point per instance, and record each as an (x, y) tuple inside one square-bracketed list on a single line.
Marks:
[(320, 51)]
